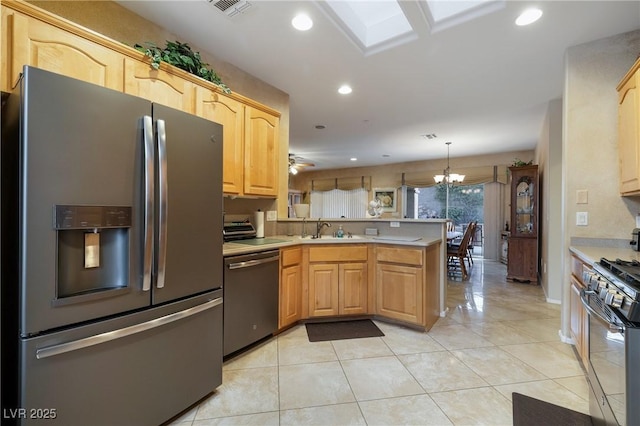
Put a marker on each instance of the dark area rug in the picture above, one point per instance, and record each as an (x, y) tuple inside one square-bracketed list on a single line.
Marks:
[(339, 330), (529, 411)]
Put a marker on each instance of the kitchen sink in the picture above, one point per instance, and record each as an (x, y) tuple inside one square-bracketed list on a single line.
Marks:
[(332, 238)]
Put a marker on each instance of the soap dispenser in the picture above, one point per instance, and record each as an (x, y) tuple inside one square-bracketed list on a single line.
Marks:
[(340, 232)]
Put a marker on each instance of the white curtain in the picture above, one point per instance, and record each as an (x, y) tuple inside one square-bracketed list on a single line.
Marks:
[(338, 203)]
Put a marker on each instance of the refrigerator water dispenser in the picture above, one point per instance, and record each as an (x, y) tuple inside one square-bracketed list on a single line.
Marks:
[(92, 251)]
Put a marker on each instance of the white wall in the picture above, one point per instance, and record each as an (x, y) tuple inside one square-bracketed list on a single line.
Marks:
[(590, 149)]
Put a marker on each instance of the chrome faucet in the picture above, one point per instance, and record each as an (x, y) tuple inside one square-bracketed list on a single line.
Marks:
[(304, 228), (319, 226)]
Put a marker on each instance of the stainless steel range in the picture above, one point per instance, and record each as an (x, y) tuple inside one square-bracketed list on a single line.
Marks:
[(612, 299)]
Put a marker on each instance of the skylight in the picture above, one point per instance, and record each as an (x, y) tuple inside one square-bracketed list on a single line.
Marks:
[(371, 25), (443, 14)]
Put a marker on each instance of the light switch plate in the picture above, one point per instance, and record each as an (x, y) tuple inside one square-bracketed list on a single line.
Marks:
[(394, 224), (582, 218), (272, 215)]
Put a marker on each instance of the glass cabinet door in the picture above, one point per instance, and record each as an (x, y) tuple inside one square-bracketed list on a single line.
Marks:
[(525, 223)]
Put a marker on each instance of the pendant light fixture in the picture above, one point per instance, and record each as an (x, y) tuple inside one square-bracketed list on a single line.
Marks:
[(447, 176)]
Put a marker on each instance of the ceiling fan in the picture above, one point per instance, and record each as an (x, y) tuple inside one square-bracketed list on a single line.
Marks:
[(296, 163)]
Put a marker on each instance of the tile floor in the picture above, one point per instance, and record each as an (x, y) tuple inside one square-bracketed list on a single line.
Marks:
[(497, 338)]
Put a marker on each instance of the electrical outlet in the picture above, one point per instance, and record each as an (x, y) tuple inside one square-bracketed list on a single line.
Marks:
[(272, 215), (582, 218), (582, 196), (394, 224)]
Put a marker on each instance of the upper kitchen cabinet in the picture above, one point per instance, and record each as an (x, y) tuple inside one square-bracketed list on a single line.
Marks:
[(57, 47), (629, 131), (159, 86), (250, 153)]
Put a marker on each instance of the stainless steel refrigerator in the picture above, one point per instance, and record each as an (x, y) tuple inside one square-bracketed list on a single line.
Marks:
[(111, 255)]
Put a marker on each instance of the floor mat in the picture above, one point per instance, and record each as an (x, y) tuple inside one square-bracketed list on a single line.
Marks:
[(529, 411), (339, 330)]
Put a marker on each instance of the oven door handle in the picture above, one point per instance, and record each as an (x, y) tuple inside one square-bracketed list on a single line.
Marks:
[(615, 328)]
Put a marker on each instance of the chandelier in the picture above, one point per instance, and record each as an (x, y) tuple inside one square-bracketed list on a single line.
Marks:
[(447, 176)]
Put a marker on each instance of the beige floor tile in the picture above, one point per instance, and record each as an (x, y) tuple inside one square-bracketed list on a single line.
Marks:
[(310, 385), (298, 350), (541, 330), (497, 367), (375, 378), (499, 333), (441, 371), (267, 419), (481, 406), (340, 414), (549, 391), (361, 348), (458, 337), (547, 360), (577, 384), (406, 410), (411, 342), (263, 355), (248, 391)]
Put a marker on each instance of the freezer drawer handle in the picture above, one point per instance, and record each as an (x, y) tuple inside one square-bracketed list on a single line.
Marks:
[(148, 201), (123, 332), (250, 263)]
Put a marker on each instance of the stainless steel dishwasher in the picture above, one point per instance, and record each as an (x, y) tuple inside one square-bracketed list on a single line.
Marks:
[(250, 298)]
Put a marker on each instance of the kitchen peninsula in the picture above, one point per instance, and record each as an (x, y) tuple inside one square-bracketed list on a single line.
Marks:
[(397, 274)]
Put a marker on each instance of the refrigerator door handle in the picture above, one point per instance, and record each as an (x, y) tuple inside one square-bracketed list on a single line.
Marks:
[(75, 345), (149, 165), (162, 202)]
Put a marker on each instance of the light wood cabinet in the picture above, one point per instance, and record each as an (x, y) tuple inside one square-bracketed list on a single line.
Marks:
[(290, 301), (522, 259), (230, 113), (337, 280), (400, 283), (407, 284), (579, 321), (30, 41), (158, 85), (250, 146), (629, 131), (261, 153)]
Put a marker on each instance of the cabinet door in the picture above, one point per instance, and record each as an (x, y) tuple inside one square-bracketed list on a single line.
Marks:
[(352, 298), (523, 260), (578, 321), (36, 43), (400, 292), (230, 113), (323, 289), (290, 295), (629, 136), (261, 153), (158, 86)]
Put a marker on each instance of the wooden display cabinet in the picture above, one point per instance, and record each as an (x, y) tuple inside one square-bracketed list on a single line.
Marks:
[(522, 262)]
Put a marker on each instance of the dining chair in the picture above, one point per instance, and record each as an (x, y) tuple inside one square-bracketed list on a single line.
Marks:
[(456, 254)]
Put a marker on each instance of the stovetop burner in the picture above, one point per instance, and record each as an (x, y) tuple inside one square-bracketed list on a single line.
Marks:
[(624, 273)]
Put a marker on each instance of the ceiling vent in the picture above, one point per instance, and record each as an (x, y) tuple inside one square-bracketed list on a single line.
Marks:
[(231, 8)]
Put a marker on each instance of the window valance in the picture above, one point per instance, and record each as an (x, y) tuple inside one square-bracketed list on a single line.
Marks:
[(344, 183)]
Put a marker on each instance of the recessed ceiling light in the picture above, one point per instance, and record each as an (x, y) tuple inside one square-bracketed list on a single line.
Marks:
[(345, 89), (302, 22), (529, 16), (353, 159)]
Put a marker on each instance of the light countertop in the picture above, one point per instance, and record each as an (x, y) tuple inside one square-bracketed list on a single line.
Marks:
[(591, 254), (234, 248)]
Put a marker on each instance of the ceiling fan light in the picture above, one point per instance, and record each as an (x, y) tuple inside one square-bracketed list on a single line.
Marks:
[(438, 178), (293, 170)]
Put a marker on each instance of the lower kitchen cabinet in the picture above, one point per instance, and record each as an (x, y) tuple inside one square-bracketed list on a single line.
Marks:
[(290, 304), (579, 323), (337, 277), (407, 286)]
